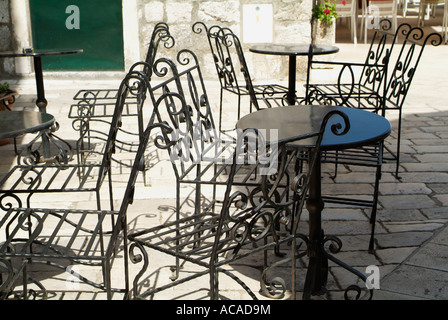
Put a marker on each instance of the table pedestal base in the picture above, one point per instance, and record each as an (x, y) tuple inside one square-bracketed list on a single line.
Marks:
[(31, 155), (318, 268), (317, 272)]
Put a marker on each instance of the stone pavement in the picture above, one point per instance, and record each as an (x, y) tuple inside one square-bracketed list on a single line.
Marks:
[(412, 235)]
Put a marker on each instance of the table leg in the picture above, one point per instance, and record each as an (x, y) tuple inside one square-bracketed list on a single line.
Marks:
[(41, 101), (308, 71), (292, 80), (316, 277), (317, 272)]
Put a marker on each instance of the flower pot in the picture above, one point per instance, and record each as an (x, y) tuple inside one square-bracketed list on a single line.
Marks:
[(323, 32)]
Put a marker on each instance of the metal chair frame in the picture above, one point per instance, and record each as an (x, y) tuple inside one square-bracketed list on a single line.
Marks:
[(62, 237), (98, 104), (383, 9), (230, 78), (256, 207), (385, 79), (349, 9)]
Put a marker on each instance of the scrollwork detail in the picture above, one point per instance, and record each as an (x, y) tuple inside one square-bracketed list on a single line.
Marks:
[(6, 204), (135, 258)]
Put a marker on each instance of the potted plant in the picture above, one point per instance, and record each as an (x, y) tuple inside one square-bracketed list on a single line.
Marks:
[(323, 22), (7, 97)]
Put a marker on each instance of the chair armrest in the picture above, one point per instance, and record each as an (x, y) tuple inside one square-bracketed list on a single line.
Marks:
[(354, 81), (353, 64)]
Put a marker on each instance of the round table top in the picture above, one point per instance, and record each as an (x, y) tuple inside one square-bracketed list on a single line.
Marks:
[(297, 49), (15, 123), (39, 52), (282, 123)]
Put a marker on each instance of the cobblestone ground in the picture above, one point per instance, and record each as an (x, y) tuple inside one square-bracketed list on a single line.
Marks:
[(411, 238)]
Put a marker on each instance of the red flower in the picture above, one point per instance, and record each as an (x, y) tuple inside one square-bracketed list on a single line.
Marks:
[(327, 11), (344, 2)]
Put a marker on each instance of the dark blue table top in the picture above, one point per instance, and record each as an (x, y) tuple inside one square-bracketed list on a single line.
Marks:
[(282, 123), (15, 123)]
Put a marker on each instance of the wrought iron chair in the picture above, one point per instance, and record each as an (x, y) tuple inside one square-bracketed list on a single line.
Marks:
[(385, 78), (95, 107), (230, 78), (260, 208), (200, 138), (382, 87), (25, 182), (66, 238), (427, 9), (349, 9), (378, 9), (93, 97), (445, 21)]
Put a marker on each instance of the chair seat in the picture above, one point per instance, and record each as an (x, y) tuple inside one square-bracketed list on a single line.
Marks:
[(50, 178), (59, 238), (192, 238), (96, 94), (55, 233), (215, 165), (262, 89), (349, 94), (367, 156), (100, 109)]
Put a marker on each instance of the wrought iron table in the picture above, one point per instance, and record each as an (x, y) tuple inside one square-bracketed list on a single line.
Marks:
[(41, 101), (16, 123), (37, 55), (292, 51), (286, 122)]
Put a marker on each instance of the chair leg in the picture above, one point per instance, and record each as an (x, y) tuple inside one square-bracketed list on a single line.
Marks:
[(126, 257), (220, 110), (335, 166), (397, 155), (239, 108), (107, 279), (213, 283), (354, 29), (374, 207)]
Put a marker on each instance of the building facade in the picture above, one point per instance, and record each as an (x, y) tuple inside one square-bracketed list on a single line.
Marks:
[(114, 33)]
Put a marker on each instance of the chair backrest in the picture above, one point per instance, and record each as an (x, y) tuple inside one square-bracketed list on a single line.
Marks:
[(376, 63), (252, 219), (227, 41), (346, 8), (402, 69), (369, 76), (385, 7), (180, 99), (160, 33), (227, 70), (90, 103), (133, 86)]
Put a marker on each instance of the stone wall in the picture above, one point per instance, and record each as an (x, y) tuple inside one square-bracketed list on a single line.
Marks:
[(5, 36), (291, 23)]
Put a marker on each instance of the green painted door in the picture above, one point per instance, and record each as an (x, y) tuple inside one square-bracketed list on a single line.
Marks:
[(96, 26)]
